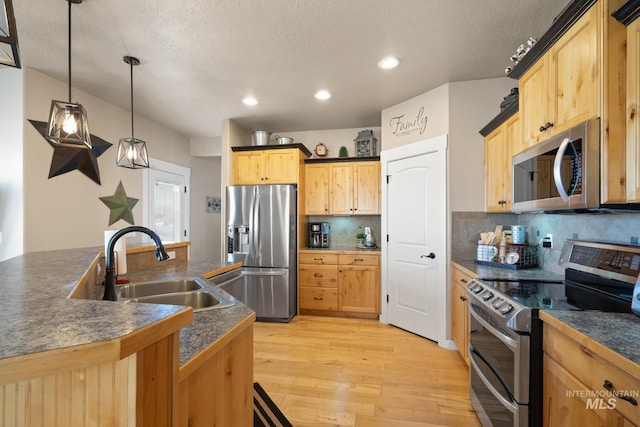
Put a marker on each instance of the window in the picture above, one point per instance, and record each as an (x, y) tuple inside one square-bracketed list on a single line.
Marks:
[(166, 200)]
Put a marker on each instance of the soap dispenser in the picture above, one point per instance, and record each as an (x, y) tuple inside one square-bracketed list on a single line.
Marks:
[(369, 240)]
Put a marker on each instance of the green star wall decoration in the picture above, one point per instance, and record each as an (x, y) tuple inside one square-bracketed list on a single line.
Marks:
[(120, 205)]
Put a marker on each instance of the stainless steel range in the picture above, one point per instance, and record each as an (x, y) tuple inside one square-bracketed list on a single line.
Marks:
[(506, 334)]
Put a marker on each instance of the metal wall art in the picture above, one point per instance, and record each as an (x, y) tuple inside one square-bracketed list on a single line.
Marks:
[(120, 205), (65, 159)]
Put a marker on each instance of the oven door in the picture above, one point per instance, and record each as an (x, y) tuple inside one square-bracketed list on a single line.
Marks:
[(498, 372)]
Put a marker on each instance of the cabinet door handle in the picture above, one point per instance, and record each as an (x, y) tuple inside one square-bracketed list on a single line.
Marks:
[(462, 298), (609, 386), (548, 125), (358, 259), (318, 259), (318, 275), (318, 298), (463, 280)]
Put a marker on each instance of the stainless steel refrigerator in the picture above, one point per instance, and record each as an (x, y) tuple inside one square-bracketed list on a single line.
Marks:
[(261, 233)]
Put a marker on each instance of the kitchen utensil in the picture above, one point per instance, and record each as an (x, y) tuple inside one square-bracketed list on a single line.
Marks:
[(512, 257), (261, 137), (497, 235), (490, 236), (283, 139), (484, 238)]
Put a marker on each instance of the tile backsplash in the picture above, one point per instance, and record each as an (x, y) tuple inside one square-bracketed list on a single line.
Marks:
[(609, 227), (343, 229)]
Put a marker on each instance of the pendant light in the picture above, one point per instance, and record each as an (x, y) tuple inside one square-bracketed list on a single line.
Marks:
[(68, 124), (8, 36), (132, 152)]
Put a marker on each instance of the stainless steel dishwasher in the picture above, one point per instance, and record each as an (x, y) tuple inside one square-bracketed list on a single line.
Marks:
[(264, 290)]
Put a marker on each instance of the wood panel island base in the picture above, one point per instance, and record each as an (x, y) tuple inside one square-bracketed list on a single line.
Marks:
[(342, 283), (86, 362)]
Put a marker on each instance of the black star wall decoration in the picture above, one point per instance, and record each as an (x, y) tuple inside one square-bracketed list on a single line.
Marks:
[(66, 159)]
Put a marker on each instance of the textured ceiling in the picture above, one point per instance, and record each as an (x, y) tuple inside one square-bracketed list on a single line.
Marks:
[(201, 57)]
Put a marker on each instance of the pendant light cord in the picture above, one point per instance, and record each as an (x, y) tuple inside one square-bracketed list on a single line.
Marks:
[(69, 50), (132, 134)]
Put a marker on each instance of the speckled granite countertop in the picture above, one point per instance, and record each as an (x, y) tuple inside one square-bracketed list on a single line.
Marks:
[(36, 316), (344, 249), (619, 332), (490, 272), (208, 325)]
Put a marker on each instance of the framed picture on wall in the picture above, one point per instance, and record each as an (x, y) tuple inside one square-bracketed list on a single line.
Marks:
[(213, 204)]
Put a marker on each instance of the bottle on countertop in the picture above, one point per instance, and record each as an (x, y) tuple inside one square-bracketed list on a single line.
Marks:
[(369, 240)]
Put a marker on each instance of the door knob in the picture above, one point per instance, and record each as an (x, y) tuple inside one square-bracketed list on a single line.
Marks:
[(431, 255)]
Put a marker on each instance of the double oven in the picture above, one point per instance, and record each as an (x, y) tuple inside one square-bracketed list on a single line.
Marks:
[(506, 334)]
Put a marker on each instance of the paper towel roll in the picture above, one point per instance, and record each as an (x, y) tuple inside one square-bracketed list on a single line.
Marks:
[(120, 249)]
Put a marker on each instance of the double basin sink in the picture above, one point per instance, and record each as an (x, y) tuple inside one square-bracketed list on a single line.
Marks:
[(195, 293)]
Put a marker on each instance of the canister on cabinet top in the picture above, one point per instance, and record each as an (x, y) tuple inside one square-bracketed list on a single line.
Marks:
[(518, 234)]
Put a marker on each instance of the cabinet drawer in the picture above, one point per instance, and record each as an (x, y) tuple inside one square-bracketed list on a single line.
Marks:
[(324, 276), (318, 258), (319, 298), (359, 260), (592, 370), (459, 277)]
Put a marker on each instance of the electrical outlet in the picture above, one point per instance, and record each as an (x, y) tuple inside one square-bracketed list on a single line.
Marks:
[(547, 241), (172, 254)]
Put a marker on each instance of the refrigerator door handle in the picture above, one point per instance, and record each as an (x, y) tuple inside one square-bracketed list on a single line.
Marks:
[(256, 223)]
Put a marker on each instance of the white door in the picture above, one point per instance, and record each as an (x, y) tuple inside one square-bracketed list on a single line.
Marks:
[(166, 200), (415, 219)]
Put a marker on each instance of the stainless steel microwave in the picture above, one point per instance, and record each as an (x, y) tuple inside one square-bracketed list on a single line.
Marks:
[(562, 173)]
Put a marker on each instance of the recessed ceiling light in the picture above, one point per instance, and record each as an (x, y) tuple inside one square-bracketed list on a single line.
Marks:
[(323, 95), (249, 100), (388, 63)]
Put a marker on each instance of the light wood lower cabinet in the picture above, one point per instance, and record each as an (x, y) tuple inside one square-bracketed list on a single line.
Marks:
[(216, 387), (576, 370), (339, 283), (460, 310)]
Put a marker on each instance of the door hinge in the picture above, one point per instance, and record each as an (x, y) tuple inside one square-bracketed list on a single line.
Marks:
[(185, 189), (387, 298), (388, 178), (185, 233), (387, 237)]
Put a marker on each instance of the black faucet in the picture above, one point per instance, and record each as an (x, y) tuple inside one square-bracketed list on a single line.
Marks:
[(110, 274)]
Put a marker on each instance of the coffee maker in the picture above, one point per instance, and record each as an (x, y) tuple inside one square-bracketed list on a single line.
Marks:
[(318, 234)]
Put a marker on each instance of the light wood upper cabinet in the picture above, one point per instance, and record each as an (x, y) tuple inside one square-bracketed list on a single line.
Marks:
[(499, 148), (279, 166), (563, 88), (633, 100), (342, 188), (316, 189)]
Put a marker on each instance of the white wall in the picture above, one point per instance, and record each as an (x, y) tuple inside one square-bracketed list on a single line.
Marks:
[(11, 164), (65, 211), (205, 226), (472, 105), (422, 117)]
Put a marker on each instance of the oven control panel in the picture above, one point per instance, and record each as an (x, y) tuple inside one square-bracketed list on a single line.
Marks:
[(488, 295)]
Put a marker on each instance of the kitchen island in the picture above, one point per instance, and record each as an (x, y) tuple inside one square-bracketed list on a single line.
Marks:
[(108, 363)]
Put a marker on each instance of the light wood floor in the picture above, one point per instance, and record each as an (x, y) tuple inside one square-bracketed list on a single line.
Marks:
[(324, 371)]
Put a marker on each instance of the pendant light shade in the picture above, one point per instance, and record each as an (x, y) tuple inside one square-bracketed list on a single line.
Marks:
[(132, 152), (68, 124), (8, 36)]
